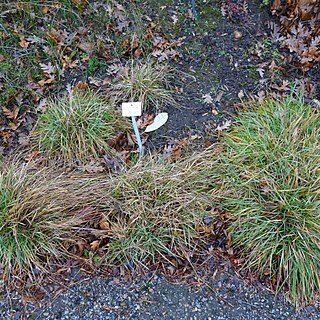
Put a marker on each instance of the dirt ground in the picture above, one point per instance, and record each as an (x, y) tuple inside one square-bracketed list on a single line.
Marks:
[(226, 57)]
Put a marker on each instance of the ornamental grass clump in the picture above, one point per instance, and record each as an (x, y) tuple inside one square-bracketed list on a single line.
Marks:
[(156, 211), (271, 169), (42, 215), (148, 82), (27, 233), (77, 128), (151, 212)]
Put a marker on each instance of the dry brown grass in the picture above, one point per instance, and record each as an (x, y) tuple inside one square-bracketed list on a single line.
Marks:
[(152, 211), (156, 210), (41, 215)]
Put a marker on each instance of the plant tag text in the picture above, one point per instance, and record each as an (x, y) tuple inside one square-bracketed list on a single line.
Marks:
[(131, 109)]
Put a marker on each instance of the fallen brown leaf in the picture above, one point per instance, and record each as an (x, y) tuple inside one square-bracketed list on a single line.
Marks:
[(45, 81), (115, 164), (81, 86), (45, 9), (10, 114), (32, 155), (23, 43), (104, 224), (86, 47), (94, 245), (145, 121), (138, 53), (172, 152)]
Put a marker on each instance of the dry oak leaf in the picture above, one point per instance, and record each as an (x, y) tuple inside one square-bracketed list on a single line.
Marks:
[(86, 47), (94, 245), (5, 135), (23, 43), (48, 69), (104, 224), (82, 86), (46, 81), (68, 63), (10, 114), (45, 9), (284, 87), (225, 125), (138, 53), (58, 36), (174, 151), (145, 121)]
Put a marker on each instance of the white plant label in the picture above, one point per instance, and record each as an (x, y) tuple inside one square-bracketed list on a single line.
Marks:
[(158, 122), (131, 109)]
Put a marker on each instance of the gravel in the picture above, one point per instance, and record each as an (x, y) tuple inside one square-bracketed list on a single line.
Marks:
[(222, 298)]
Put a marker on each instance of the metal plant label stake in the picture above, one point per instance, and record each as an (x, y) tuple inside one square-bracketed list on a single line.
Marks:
[(134, 109), (194, 12)]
